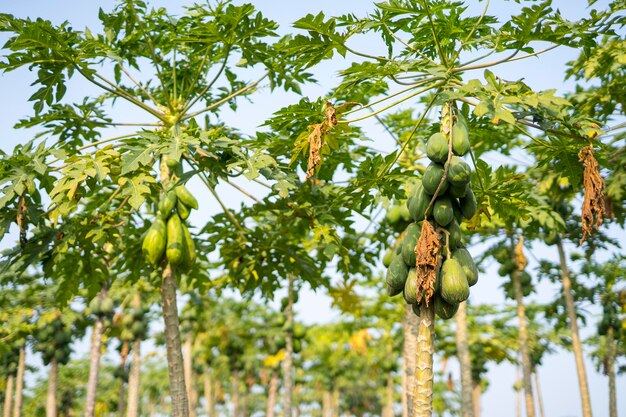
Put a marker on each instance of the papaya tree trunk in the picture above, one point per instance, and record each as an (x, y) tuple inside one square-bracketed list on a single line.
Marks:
[(423, 385), (539, 397), (335, 403), (134, 380), (326, 404), (121, 394), (94, 360), (51, 395), (518, 393), (8, 396), (523, 344), (610, 371), (409, 327), (19, 383), (583, 384), (476, 393), (288, 361), (188, 366), (388, 410), (209, 395), (178, 392), (235, 394), (463, 353), (271, 394)]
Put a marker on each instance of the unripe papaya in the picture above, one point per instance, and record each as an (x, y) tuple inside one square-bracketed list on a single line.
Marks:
[(459, 172), (437, 148), (404, 213), (387, 258), (444, 309), (185, 196), (466, 261), (468, 205), (459, 191), (454, 285), (460, 139), (154, 242), (190, 250), (442, 211), (411, 237), (175, 241), (455, 235), (167, 204), (183, 210), (410, 287), (432, 178), (396, 276), (418, 203), (107, 306), (394, 214)]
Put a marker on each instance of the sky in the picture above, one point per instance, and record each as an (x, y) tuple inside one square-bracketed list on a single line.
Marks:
[(558, 377)]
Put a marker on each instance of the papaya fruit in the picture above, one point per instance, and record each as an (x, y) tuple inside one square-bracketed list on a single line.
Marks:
[(506, 268), (396, 276), (455, 235), (418, 203), (410, 287), (183, 210), (460, 139), (153, 245), (185, 196), (459, 172), (107, 306), (404, 213), (456, 207), (468, 204), (387, 258), (189, 253), (552, 238), (444, 309), (442, 211), (411, 237), (394, 214), (454, 285), (94, 308), (459, 191), (175, 249), (432, 178), (167, 204), (437, 148), (464, 258)]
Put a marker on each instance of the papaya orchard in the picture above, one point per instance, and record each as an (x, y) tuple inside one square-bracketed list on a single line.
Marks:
[(140, 209)]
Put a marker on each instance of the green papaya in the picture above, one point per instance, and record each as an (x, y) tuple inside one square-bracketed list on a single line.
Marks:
[(387, 258), (459, 172), (442, 211), (454, 285), (437, 148), (185, 196), (189, 257), (396, 276), (552, 238), (409, 242), (418, 203), (455, 235), (525, 278), (444, 309), (432, 177), (468, 205), (183, 210), (460, 139), (410, 287), (167, 204), (466, 261), (94, 308), (394, 214), (506, 268), (456, 207), (175, 241), (459, 191), (153, 245), (404, 213), (107, 306)]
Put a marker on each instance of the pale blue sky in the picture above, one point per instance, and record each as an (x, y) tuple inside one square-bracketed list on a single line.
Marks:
[(558, 377)]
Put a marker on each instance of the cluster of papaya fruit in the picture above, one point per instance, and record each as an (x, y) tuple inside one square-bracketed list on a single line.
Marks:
[(448, 178), (505, 257), (135, 325), (169, 235), (102, 308), (53, 342)]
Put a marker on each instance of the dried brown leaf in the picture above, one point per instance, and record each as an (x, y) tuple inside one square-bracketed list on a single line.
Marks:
[(520, 259), (427, 252), (593, 204), (22, 219), (316, 139)]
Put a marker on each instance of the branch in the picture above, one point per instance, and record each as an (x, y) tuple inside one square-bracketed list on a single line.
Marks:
[(403, 42), (209, 85), (237, 187), (467, 38), (444, 61), (224, 100), (510, 58), (141, 87)]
